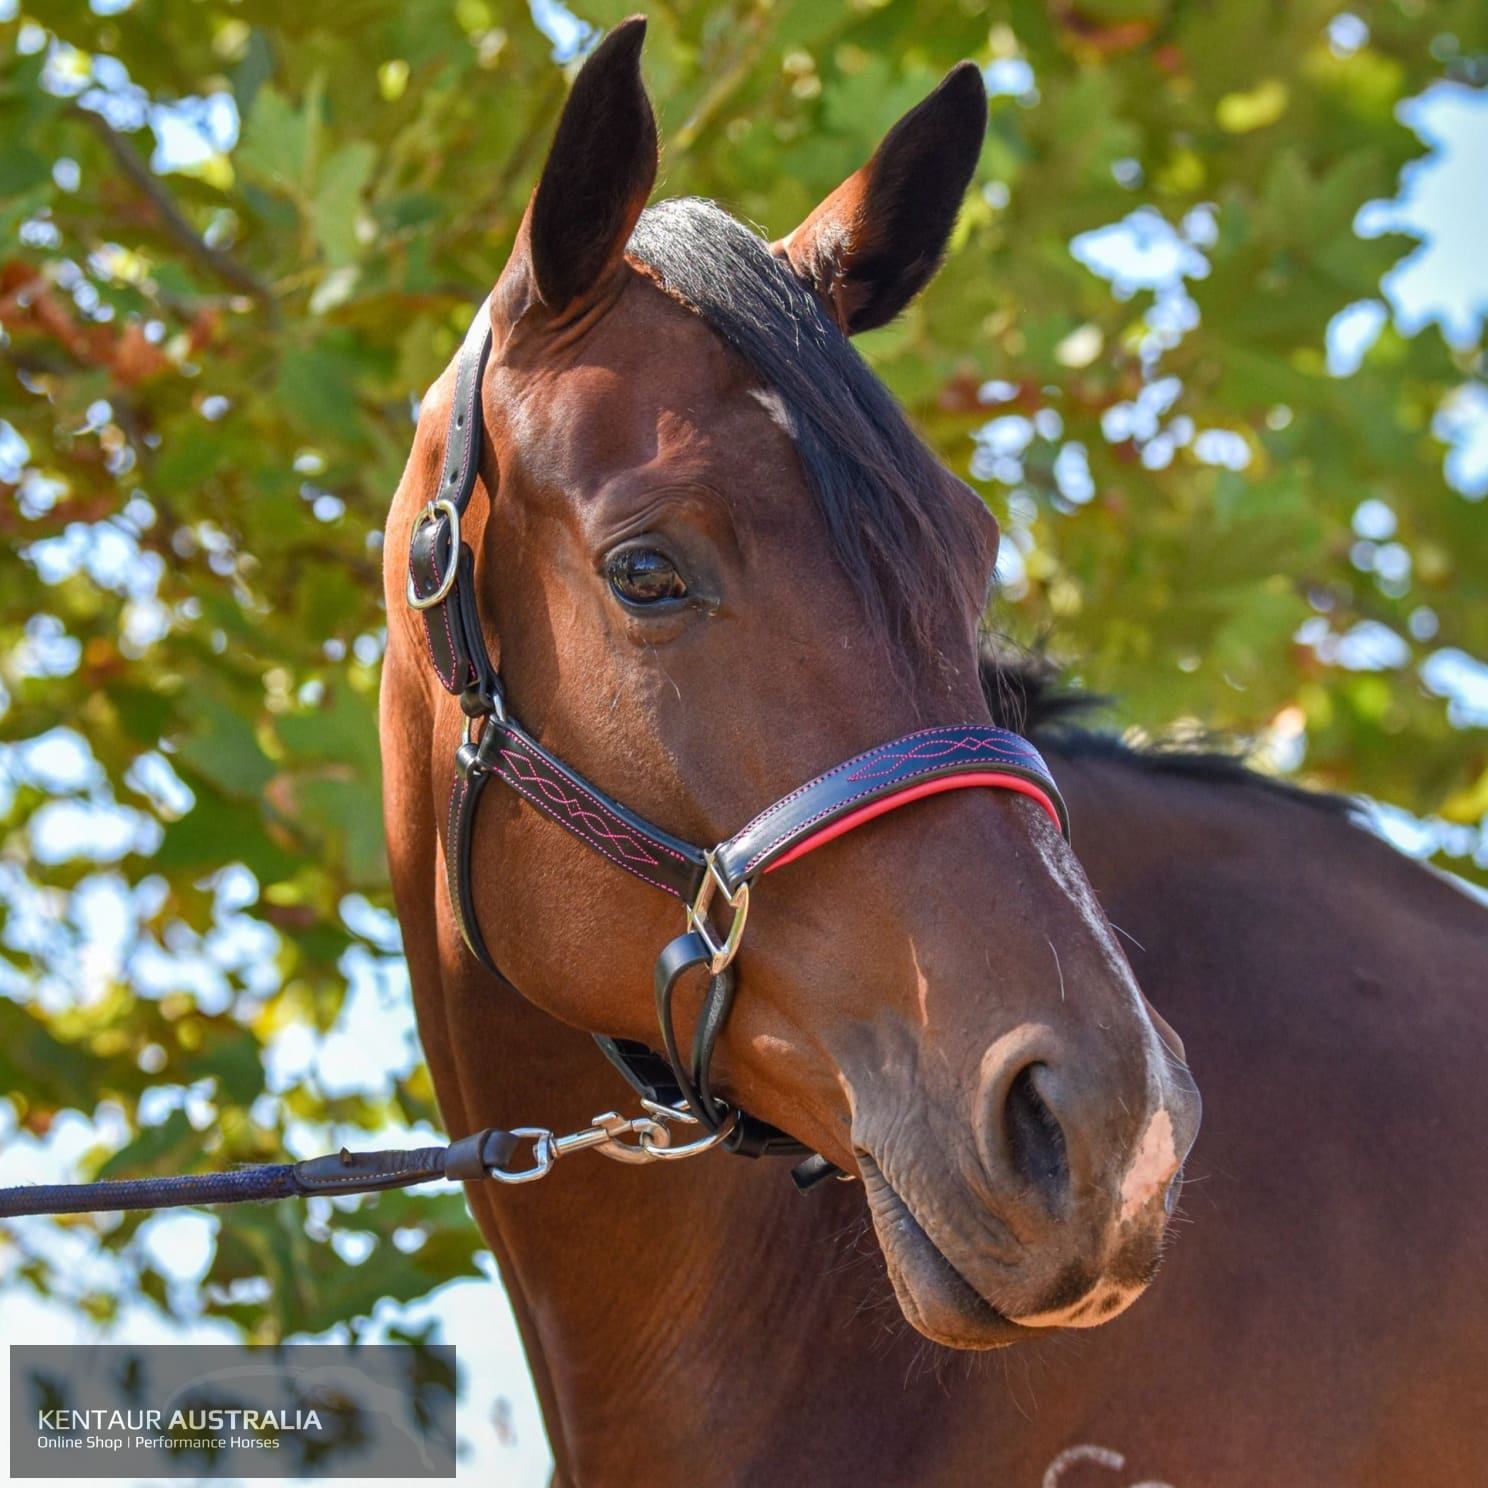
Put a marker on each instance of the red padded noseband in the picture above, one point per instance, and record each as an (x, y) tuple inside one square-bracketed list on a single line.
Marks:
[(885, 804)]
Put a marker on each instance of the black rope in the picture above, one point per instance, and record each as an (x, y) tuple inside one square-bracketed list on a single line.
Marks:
[(475, 1156), (247, 1184)]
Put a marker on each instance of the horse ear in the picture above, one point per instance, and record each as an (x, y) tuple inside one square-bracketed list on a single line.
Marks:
[(599, 172), (875, 243)]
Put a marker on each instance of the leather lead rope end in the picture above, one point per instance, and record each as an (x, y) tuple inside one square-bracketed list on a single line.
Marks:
[(473, 1157)]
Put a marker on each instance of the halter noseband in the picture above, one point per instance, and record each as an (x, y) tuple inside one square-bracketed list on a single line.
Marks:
[(441, 586)]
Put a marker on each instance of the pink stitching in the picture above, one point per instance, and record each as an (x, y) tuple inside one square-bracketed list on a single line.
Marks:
[(517, 785), (457, 798), (839, 806), (857, 760), (449, 681), (589, 795), (470, 930), (576, 812), (892, 762), (449, 634), (443, 608)]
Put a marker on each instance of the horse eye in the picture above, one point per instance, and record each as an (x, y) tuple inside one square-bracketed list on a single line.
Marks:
[(642, 576)]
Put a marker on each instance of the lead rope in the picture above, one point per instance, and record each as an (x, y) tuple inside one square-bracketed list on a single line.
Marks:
[(484, 1154)]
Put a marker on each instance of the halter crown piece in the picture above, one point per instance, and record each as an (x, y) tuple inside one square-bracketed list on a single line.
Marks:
[(441, 587)]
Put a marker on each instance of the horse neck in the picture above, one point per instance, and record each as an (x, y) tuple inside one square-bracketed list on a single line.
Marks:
[(626, 1278), (1151, 838)]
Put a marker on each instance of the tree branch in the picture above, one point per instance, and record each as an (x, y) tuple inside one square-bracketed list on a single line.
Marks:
[(747, 41), (216, 260)]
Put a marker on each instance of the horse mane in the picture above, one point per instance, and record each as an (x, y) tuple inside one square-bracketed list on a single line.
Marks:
[(881, 491), (1027, 692), (893, 523)]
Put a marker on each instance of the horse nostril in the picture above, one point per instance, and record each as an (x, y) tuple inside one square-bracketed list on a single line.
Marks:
[(1035, 1140)]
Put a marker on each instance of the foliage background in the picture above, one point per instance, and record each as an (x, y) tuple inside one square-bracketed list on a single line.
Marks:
[(237, 241)]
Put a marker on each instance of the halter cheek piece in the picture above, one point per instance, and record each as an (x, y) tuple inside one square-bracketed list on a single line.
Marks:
[(441, 587)]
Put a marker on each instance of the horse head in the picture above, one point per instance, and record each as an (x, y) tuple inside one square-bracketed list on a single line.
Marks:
[(714, 560)]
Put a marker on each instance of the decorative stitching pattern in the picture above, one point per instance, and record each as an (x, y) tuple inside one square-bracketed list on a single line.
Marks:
[(837, 807), (924, 750), (801, 790), (883, 772), (970, 733), (521, 789), (581, 818)]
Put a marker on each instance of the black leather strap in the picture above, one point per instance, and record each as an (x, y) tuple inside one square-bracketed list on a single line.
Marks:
[(483, 1154), (459, 873), (467, 426), (452, 629), (597, 820), (645, 1071), (506, 751), (880, 774), (686, 953), (474, 1156), (629, 841), (750, 1137)]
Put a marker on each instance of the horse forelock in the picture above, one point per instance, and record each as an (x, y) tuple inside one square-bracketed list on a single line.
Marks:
[(905, 538)]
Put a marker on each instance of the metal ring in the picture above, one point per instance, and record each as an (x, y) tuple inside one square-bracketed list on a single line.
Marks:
[(697, 914), (690, 1149), (429, 514)]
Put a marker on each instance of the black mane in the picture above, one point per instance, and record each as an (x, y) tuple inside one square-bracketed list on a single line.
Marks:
[(891, 522), (881, 491), (1026, 693)]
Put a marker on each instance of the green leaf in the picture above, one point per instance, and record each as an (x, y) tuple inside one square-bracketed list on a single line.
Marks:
[(342, 178), (223, 748), (275, 146)]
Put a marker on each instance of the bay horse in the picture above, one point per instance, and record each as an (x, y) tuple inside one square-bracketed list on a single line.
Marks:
[(1323, 1320), (710, 559)]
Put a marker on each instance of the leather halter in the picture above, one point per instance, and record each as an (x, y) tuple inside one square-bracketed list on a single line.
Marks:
[(441, 586)]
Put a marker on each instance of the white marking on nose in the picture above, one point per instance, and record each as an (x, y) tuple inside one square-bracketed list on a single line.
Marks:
[(1094, 1308), (1155, 1163), (922, 987)]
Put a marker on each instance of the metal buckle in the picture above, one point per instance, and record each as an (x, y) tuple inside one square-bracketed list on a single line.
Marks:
[(430, 512), (467, 733), (697, 914)]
